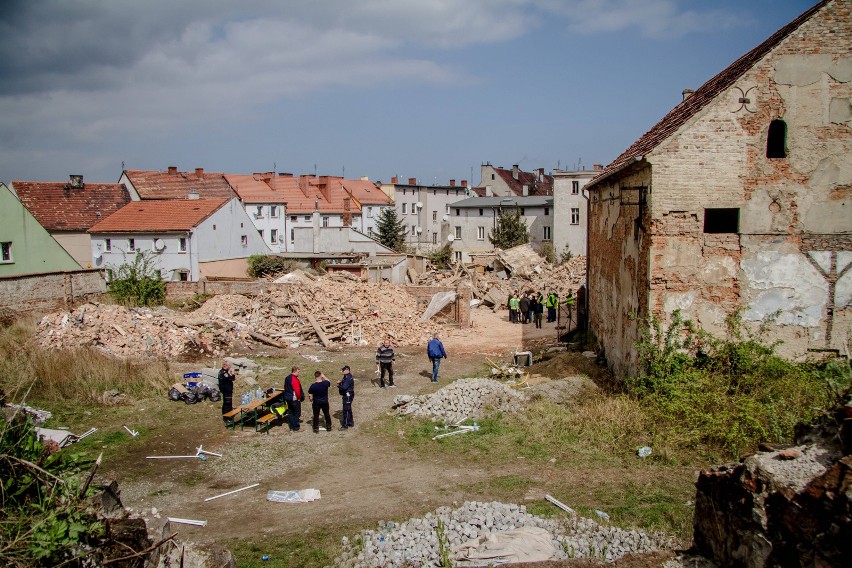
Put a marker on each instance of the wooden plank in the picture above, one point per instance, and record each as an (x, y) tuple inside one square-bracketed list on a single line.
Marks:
[(265, 339), (320, 333)]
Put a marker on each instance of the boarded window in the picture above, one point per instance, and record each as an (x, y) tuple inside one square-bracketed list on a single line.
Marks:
[(722, 220), (776, 139)]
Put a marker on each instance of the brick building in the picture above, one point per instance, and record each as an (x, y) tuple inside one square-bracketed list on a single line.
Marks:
[(739, 198)]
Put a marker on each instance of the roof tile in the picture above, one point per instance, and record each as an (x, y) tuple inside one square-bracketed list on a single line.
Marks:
[(59, 207), (159, 216)]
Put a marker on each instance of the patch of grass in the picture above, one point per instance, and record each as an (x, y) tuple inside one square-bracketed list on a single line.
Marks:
[(312, 550), (660, 505)]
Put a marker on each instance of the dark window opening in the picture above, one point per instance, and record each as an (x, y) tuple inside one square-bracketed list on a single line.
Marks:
[(776, 139), (722, 220)]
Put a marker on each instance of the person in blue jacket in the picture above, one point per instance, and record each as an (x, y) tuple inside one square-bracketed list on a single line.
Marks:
[(346, 388), (435, 352)]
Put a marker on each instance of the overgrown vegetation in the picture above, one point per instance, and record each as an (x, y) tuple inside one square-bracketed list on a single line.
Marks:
[(390, 230), (566, 255), (511, 230), (727, 394), (548, 253), (43, 521), (261, 265), (137, 283), (440, 258)]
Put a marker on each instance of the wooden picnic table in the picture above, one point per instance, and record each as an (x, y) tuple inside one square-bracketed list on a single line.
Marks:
[(253, 410)]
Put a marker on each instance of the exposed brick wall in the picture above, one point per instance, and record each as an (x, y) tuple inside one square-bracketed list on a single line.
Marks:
[(39, 293)]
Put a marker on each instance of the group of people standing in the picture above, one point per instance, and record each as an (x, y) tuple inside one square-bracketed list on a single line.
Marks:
[(294, 395), (529, 306)]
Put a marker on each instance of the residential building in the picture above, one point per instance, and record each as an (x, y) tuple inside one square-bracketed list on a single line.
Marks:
[(185, 239), (570, 202), (498, 181), (738, 200), (25, 246), (172, 184), (423, 209), (68, 209), (472, 220), (266, 208)]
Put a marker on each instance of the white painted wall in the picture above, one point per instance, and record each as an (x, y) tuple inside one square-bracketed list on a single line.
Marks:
[(269, 217)]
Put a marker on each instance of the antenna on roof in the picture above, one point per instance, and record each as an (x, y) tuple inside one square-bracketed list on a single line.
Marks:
[(122, 165), (315, 170), (274, 166)]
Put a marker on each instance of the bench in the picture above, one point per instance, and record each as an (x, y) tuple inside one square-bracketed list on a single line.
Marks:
[(230, 418), (262, 424)]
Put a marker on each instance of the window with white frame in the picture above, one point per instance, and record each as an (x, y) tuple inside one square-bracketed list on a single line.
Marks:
[(575, 187), (434, 238), (244, 240), (434, 215), (273, 236), (575, 215), (325, 219), (307, 217), (457, 255), (404, 208), (131, 244), (458, 232), (182, 244), (480, 233), (546, 236), (259, 213), (370, 212), (108, 245), (273, 211), (6, 252), (293, 218)]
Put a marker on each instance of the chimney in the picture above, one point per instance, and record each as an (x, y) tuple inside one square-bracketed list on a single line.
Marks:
[(464, 183), (199, 173), (193, 194), (526, 190), (76, 181), (324, 188), (365, 178), (515, 172), (394, 180), (452, 183), (598, 167), (285, 174), (172, 170), (687, 93), (412, 181), (347, 204)]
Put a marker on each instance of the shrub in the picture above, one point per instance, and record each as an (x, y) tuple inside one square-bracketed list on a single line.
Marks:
[(566, 256), (727, 394), (548, 253), (440, 258), (137, 283), (261, 265)]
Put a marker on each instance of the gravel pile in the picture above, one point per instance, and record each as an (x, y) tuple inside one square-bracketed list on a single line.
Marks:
[(465, 398), (415, 542)]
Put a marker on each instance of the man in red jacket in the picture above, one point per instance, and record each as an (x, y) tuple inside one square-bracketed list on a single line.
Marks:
[(294, 395)]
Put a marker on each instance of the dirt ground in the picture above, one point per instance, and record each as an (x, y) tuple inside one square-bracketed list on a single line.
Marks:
[(361, 480)]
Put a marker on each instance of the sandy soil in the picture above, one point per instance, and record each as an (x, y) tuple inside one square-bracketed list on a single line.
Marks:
[(361, 480)]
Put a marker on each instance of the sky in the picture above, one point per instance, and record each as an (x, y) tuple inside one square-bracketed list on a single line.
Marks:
[(429, 89)]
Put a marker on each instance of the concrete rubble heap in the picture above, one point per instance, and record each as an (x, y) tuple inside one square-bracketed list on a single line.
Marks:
[(415, 542), (787, 507), (329, 310), (494, 276), (465, 398)]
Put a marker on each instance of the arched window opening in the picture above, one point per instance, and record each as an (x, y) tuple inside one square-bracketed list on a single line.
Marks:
[(776, 139)]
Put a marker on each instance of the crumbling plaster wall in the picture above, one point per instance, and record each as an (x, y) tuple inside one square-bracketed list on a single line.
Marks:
[(618, 271), (795, 212)]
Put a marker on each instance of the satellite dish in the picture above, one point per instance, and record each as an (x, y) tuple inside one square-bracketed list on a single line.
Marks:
[(445, 218), (98, 256), (159, 245), (451, 237), (419, 230), (420, 205)]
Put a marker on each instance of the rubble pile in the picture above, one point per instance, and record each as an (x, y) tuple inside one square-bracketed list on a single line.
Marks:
[(465, 398), (125, 332), (416, 542), (326, 311), (494, 276)]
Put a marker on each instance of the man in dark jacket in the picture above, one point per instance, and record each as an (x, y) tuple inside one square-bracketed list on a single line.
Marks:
[(384, 363), (435, 352), (293, 395), (346, 388), (227, 375), (318, 393)]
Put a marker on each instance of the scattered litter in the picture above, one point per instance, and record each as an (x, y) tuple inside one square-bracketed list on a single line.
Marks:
[(133, 433), (602, 515), (301, 496), (525, 544), (462, 429), (232, 492), (188, 522), (61, 437), (196, 456), (312, 358), (200, 450), (560, 504), (643, 452)]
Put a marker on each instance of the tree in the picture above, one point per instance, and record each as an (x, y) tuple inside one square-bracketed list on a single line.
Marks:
[(440, 258), (511, 230), (390, 230), (137, 283)]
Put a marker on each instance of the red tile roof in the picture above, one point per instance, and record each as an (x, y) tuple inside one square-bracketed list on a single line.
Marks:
[(535, 186), (366, 192), (307, 193), (159, 216), (705, 94), (172, 184), (254, 188), (58, 207)]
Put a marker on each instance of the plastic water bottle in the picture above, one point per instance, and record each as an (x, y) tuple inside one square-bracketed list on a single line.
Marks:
[(259, 393), (245, 399)]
